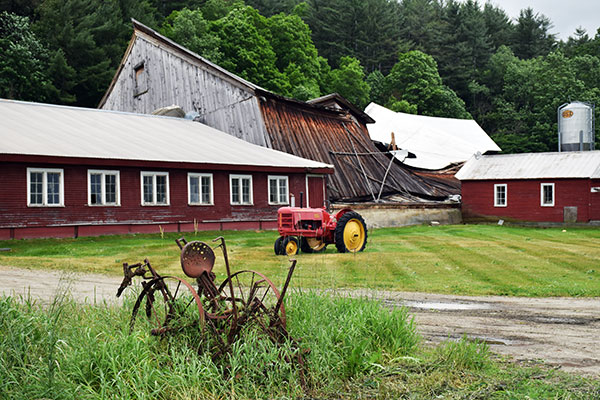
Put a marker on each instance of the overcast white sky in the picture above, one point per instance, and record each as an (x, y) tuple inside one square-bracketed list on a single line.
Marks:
[(566, 15)]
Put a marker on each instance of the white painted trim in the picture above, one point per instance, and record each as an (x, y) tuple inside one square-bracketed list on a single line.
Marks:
[(287, 189), (496, 187), (240, 177), (542, 185), (103, 173), (200, 176), (61, 187), (154, 174)]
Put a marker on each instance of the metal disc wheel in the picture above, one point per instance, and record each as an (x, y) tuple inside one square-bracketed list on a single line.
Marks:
[(290, 246), (256, 299), (167, 305), (312, 245), (351, 233), (278, 246)]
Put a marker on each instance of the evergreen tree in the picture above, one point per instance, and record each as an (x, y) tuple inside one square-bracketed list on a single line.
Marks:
[(531, 37), (92, 35), (24, 62)]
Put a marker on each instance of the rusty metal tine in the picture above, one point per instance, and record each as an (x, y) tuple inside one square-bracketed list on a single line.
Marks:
[(180, 241), (233, 302), (285, 286)]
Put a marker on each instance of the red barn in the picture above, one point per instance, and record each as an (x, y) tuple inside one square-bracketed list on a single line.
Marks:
[(73, 172), (539, 187)]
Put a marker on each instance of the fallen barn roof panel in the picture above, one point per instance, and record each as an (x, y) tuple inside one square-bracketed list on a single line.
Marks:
[(335, 138), (437, 142)]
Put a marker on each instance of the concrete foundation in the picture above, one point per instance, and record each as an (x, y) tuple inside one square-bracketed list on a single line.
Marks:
[(387, 215)]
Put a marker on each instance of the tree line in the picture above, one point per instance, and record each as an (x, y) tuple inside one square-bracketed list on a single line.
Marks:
[(432, 57)]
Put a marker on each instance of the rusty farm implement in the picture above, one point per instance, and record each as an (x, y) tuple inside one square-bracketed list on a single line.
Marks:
[(168, 305)]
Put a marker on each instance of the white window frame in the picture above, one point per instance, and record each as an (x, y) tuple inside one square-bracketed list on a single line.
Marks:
[(154, 174), (104, 173), (277, 178), (542, 186), (240, 192), (61, 189), (496, 187), (211, 193)]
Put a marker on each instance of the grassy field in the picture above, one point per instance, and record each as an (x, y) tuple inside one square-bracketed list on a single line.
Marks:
[(458, 259), (358, 350)]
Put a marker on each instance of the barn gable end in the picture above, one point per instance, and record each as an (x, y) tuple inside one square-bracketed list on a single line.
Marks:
[(156, 72)]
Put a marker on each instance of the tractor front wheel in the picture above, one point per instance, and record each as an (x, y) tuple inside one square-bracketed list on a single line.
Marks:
[(278, 247), (351, 233), (290, 246)]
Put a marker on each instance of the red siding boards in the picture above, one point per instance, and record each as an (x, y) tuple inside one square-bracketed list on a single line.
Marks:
[(523, 200), (595, 200), (77, 218)]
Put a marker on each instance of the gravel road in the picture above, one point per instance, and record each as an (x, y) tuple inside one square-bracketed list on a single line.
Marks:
[(561, 332)]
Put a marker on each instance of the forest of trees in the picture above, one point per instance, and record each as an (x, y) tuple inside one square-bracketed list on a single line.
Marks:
[(442, 58)]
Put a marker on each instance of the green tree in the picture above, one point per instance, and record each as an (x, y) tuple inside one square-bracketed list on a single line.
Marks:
[(24, 8), (524, 115), (415, 79), (349, 81), (376, 81), (189, 29), (246, 46), (91, 35), (531, 37), (24, 62), (296, 55)]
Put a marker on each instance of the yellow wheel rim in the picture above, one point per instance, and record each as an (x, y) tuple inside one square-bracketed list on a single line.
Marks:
[(354, 235), (315, 243), (291, 248)]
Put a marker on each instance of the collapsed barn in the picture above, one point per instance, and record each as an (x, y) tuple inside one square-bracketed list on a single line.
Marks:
[(156, 72)]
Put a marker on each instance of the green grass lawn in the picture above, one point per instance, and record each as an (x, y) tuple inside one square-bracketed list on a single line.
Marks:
[(456, 259)]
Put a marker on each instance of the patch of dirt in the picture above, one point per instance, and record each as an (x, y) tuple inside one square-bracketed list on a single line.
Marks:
[(561, 332)]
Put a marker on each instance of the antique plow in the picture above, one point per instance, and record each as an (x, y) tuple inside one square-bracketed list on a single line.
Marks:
[(245, 299)]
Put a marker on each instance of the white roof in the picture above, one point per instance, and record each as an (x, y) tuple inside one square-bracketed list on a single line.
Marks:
[(50, 130), (584, 164), (437, 142)]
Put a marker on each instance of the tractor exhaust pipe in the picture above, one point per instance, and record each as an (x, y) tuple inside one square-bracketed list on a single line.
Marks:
[(301, 198)]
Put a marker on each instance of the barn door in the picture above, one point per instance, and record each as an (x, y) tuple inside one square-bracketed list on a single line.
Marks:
[(315, 191)]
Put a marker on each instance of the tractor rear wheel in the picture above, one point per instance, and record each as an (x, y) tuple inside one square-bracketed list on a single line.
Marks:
[(278, 247), (351, 233), (290, 246), (312, 245)]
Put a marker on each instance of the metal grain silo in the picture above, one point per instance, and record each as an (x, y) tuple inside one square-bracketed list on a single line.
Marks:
[(576, 126)]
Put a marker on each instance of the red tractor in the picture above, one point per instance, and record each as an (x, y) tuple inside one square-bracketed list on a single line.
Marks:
[(312, 229)]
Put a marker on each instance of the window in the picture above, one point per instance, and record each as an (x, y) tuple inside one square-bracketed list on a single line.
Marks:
[(547, 195), (278, 190), (200, 189), (45, 187), (500, 195), (241, 189), (141, 80), (155, 188), (103, 188)]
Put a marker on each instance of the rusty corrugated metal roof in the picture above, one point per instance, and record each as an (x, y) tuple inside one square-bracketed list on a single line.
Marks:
[(334, 137)]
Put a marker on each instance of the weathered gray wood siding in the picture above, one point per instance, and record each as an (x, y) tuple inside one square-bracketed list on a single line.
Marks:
[(173, 77)]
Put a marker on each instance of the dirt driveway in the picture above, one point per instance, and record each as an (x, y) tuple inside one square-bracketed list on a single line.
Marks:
[(562, 332)]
